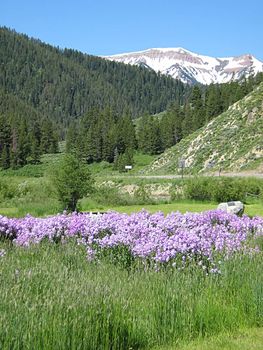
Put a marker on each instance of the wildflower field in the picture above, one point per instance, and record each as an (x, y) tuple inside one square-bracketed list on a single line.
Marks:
[(118, 281)]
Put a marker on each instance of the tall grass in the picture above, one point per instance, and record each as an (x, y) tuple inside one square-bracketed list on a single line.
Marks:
[(28, 195), (52, 298)]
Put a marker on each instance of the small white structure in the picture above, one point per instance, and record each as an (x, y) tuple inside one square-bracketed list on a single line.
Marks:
[(235, 207)]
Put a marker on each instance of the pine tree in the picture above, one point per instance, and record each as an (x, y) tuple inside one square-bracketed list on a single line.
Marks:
[(5, 142), (49, 137), (5, 158), (213, 102), (34, 150), (187, 123), (198, 112)]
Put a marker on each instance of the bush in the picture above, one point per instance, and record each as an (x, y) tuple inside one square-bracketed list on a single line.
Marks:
[(110, 196), (228, 189), (254, 186), (199, 188), (142, 196), (222, 189), (177, 191), (7, 189)]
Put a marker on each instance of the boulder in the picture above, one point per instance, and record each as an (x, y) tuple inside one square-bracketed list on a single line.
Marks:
[(235, 207)]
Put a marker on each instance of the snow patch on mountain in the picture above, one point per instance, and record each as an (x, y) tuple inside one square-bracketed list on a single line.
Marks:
[(190, 67)]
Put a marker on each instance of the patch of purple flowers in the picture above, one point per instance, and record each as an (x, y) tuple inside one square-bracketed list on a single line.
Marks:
[(175, 240)]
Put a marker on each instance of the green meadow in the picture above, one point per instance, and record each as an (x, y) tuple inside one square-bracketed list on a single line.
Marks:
[(52, 298)]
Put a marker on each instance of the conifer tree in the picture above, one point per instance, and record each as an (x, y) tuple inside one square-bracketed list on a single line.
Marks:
[(213, 102), (34, 150), (198, 112), (5, 158)]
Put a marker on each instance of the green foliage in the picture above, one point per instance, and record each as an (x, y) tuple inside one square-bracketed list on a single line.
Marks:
[(142, 195), (222, 189), (124, 159), (149, 135), (229, 189), (7, 189), (72, 181), (102, 136), (110, 197), (198, 189)]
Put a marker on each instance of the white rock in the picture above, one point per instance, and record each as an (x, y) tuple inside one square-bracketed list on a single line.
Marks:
[(235, 207)]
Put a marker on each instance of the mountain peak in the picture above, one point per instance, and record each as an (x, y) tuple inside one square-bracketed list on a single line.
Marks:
[(191, 67)]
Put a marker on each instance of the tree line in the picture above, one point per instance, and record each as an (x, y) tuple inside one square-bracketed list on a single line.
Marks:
[(102, 135)]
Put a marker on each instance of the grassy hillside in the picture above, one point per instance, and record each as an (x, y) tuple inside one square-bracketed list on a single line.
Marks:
[(232, 141)]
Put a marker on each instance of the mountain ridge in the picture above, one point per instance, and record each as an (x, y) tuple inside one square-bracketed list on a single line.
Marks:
[(190, 67)]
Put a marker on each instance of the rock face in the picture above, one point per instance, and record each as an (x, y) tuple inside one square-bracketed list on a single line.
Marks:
[(235, 207)]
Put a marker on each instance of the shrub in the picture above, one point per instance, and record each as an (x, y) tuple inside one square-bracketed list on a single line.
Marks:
[(141, 195), (228, 189), (177, 190), (7, 189), (222, 189), (199, 188), (110, 196)]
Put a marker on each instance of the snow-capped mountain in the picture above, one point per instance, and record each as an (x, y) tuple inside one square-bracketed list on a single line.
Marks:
[(192, 68)]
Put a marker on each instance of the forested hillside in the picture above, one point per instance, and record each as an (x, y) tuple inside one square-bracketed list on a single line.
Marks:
[(65, 84)]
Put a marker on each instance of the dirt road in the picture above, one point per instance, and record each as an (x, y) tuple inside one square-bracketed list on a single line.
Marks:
[(232, 174)]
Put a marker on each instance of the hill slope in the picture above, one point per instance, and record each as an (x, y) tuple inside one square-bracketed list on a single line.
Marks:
[(193, 68), (13, 107), (65, 84), (231, 141)]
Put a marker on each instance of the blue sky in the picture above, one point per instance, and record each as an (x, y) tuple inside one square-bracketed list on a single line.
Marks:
[(100, 27)]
